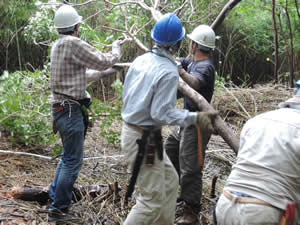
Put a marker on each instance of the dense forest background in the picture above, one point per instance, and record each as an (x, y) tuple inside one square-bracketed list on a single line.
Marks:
[(258, 42), (257, 60)]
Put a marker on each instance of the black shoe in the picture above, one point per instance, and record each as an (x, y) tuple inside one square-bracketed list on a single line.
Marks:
[(59, 216)]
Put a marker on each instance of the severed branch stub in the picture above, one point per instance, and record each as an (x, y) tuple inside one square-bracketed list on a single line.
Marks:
[(226, 9)]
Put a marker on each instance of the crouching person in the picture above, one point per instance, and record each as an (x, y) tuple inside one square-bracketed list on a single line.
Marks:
[(149, 100), (264, 185)]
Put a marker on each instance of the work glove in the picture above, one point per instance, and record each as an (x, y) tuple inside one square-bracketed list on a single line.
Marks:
[(116, 48), (206, 121)]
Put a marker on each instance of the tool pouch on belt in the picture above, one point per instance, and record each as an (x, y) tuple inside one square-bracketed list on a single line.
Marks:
[(54, 128), (153, 144), (150, 143), (85, 104)]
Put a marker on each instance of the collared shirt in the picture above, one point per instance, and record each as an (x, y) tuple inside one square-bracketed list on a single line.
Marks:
[(205, 71), (70, 57), (150, 92), (268, 161)]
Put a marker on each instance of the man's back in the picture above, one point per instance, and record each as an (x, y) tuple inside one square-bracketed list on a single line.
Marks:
[(268, 161), (149, 84)]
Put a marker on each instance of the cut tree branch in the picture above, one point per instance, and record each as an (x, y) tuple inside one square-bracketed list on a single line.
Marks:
[(224, 131), (226, 9), (114, 157)]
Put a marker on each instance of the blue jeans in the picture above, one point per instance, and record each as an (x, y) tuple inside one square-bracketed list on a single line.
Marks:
[(69, 123)]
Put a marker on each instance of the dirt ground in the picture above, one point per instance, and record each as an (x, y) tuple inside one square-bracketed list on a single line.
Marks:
[(104, 167)]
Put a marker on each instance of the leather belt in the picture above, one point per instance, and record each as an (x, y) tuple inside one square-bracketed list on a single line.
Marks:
[(230, 196), (137, 128)]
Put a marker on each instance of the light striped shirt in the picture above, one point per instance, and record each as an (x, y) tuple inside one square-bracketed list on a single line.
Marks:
[(150, 92), (70, 58)]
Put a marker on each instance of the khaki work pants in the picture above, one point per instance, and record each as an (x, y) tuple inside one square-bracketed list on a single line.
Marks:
[(228, 212), (156, 186)]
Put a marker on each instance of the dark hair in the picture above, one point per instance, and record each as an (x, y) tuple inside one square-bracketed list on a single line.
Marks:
[(68, 32), (204, 49)]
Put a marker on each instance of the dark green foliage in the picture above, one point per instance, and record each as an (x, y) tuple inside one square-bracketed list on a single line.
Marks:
[(25, 109)]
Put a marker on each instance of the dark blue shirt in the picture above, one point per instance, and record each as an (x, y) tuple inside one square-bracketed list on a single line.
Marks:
[(205, 71)]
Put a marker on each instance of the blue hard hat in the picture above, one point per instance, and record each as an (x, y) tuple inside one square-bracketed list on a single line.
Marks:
[(168, 30)]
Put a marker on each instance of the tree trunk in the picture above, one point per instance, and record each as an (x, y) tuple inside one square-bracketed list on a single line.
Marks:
[(220, 18), (291, 55), (223, 130), (275, 41)]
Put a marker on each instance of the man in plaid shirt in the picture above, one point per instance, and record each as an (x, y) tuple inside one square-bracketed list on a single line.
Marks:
[(70, 58)]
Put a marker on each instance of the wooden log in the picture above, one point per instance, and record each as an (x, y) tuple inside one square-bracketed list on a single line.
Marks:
[(30, 193), (41, 193), (223, 130)]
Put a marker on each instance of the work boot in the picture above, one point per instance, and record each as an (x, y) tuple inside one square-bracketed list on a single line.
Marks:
[(60, 216), (189, 216)]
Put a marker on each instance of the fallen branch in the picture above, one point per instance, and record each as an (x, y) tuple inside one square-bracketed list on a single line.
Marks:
[(240, 104), (226, 9), (41, 193), (224, 131), (27, 154), (116, 157)]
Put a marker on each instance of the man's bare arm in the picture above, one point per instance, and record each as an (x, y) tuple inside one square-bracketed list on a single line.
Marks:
[(191, 80)]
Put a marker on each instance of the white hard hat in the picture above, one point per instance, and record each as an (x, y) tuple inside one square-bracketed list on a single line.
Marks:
[(204, 36), (66, 16)]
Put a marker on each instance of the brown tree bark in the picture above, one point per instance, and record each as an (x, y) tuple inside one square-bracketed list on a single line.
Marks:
[(291, 55), (223, 130), (275, 41), (41, 193), (226, 9)]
